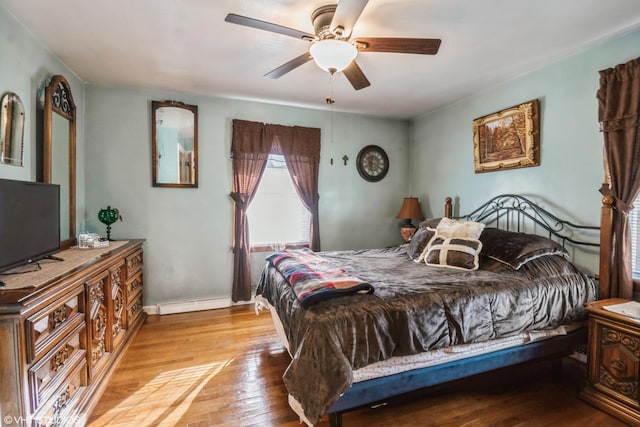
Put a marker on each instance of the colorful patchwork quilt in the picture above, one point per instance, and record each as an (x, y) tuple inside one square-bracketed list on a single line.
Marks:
[(314, 278)]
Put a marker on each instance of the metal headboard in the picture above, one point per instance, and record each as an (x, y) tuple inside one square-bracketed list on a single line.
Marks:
[(517, 213)]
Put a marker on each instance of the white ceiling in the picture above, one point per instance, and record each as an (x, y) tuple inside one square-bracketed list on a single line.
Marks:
[(185, 45)]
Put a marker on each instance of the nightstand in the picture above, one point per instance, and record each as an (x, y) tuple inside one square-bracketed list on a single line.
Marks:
[(613, 362)]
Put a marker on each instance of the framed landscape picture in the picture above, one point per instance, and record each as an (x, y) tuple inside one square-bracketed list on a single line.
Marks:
[(507, 139)]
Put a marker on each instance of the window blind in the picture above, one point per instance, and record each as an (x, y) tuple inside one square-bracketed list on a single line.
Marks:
[(276, 214)]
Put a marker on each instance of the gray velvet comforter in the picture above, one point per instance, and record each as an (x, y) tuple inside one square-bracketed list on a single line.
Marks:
[(415, 308)]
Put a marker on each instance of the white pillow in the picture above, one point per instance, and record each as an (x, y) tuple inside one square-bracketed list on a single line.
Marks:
[(451, 229)]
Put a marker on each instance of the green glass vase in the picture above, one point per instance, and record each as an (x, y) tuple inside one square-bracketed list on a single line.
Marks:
[(108, 216)]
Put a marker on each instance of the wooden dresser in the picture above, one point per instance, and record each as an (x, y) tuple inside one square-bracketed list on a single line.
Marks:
[(63, 330), (613, 362)]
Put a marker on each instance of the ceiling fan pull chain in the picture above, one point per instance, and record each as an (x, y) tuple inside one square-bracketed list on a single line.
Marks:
[(331, 101)]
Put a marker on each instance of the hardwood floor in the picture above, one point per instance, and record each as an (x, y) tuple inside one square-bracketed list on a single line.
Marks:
[(224, 368)]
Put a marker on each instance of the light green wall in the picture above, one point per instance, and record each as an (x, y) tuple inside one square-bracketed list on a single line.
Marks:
[(191, 258), (188, 231), (571, 170), (431, 158), (24, 65)]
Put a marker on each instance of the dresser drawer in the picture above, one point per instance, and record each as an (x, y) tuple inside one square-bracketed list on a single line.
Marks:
[(117, 306), (98, 323), (134, 310), (134, 286), (134, 263), (618, 370), (47, 374), (53, 412), (47, 327), (118, 315)]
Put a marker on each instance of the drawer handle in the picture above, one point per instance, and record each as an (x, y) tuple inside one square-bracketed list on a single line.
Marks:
[(58, 317), (59, 359), (135, 262), (618, 364), (134, 285), (62, 401), (135, 308)]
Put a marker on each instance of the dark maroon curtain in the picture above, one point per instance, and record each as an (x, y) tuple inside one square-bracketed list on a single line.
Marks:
[(300, 147), (250, 151), (251, 145), (619, 115)]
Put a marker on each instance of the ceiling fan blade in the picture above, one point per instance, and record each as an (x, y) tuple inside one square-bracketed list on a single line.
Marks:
[(289, 66), (345, 17), (355, 76), (398, 45), (268, 26)]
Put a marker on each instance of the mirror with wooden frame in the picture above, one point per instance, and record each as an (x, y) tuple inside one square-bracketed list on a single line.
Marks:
[(59, 152), (11, 130), (174, 144)]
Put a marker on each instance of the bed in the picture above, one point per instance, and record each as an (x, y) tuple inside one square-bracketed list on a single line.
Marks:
[(486, 290)]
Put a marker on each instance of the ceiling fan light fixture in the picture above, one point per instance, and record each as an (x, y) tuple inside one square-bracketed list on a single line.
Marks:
[(333, 55)]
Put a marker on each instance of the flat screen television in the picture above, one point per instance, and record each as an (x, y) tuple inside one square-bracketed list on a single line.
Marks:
[(29, 222)]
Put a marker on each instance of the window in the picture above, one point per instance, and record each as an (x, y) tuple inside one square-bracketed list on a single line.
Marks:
[(276, 214), (634, 223)]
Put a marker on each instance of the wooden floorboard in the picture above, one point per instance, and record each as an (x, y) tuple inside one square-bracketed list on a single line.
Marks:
[(224, 368)]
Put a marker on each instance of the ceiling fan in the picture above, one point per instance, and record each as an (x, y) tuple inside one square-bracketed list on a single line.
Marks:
[(331, 46)]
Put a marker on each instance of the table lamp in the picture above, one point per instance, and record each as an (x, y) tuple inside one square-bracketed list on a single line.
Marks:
[(410, 210)]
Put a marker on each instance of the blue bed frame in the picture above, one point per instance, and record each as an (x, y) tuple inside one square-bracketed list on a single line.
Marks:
[(510, 212), (378, 390)]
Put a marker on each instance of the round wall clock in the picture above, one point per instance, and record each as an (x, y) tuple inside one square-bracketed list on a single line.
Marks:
[(372, 163)]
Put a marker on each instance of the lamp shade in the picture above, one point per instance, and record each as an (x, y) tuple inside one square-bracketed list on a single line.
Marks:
[(333, 55), (410, 209)]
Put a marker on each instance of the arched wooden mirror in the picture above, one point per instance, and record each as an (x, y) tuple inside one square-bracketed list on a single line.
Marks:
[(11, 130), (174, 144), (59, 152)]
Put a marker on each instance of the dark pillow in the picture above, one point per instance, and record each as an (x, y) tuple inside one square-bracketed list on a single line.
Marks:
[(461, 254), (419, 241), (516, 249), (430, 223)]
